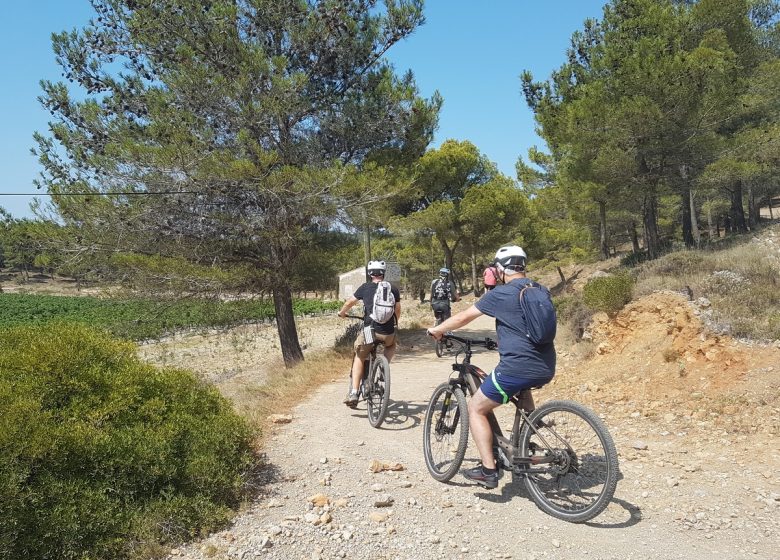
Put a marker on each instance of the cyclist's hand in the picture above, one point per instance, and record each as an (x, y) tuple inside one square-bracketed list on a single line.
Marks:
[(434, 333)]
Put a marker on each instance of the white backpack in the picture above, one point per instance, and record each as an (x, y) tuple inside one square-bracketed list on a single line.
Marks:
[(384, 302)]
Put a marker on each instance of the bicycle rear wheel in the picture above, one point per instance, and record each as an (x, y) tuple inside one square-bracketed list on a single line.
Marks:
[(445, 432), (574, 461), (378, 391)]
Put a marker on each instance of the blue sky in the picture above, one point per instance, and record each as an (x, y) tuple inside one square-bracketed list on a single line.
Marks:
[(471, 51)]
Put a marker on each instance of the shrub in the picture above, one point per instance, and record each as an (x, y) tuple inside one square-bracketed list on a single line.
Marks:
[(608, 293), (723, 283), (672, 263), (100, 452), (633, 259), (573, 312)]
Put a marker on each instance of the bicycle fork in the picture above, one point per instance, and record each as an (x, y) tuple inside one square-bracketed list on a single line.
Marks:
[(440, 423)]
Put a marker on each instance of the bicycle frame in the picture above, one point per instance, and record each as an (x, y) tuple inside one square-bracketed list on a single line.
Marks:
[(469, 379)]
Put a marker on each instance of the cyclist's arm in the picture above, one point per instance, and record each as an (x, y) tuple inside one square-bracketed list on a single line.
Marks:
[(455, 322), (397, 312), (351, 301)]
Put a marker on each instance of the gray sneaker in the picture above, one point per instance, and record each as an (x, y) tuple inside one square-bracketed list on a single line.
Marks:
[(351, 399), (479, 476)]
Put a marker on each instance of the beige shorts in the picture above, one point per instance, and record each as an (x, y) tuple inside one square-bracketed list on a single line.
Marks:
[(363, 350)]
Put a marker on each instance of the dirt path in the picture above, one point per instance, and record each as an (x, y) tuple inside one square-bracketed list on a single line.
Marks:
[(689, 492)]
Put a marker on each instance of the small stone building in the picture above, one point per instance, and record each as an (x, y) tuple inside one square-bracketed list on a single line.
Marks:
[(351, 281)]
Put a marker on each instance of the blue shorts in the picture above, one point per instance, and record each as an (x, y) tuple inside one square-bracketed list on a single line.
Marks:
[(500, 388)]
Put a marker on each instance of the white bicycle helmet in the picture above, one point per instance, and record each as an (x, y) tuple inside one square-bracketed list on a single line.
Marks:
[(376, 268), (511, 257), (444, 272)]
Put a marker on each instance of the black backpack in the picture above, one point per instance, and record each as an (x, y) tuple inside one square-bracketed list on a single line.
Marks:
[(441, 290)]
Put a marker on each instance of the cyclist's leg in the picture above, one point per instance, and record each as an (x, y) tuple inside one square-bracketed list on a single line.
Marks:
[(480, 407), (389, 342), (496, 389), (362, 350)]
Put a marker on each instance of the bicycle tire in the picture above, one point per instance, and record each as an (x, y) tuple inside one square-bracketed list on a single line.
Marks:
[(580, 483), (443, 420), (378, 391), (439, 348)]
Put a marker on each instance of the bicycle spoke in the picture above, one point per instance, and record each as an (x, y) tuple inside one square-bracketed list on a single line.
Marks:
[(445, 433), (578, 475), (379, 395)]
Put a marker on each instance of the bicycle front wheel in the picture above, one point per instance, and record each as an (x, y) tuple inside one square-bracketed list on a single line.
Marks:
[(574, 465), (378, 392), (445, 432)]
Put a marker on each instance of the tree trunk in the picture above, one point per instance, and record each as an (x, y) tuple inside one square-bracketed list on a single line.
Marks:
[(560, 273), (737, 211), (753, 218), (650, 223), (603, 245), (449, 257), (634, 237), (694, 221), (771, 217), (285, 326), (685, 206), (710, 228), (367, 248), (474, 273), (448, 254)]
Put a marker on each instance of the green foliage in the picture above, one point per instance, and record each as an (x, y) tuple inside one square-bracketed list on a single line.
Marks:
[(648, 96), (139, 318), (247, 127), (100, 452), (608, 293)]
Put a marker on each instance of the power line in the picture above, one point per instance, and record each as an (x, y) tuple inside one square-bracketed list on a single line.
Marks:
[(161, 193)]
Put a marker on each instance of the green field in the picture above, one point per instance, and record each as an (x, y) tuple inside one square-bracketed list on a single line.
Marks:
[(139, 319)]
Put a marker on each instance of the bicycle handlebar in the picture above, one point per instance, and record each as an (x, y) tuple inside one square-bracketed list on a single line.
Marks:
[(487, 342), (353, 317)]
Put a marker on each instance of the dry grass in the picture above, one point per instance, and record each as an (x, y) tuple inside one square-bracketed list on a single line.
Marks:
[(742, 282), (287, 388)]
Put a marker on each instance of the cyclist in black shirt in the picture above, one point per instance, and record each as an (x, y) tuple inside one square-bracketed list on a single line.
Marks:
[(383, 332)]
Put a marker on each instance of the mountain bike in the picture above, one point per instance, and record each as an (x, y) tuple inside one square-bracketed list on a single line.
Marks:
[(375, 385), (562, 450)]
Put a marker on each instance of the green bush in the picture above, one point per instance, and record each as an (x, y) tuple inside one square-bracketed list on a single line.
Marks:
[(608, 293), (672, 264), (100, 452)]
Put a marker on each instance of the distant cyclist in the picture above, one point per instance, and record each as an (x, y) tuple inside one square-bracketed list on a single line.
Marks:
[(489, 276), (442, 293), (383, 331)]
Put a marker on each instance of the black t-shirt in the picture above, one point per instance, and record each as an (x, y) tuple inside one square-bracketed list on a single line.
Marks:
[(366, 293)]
